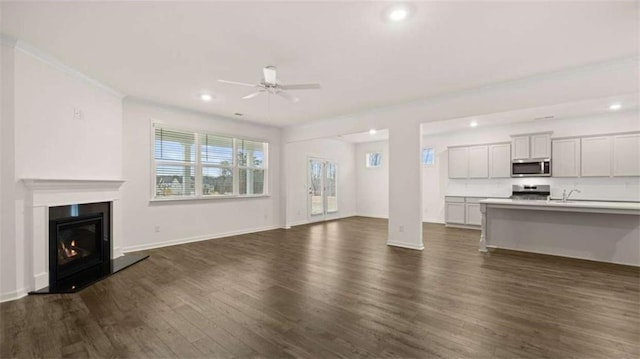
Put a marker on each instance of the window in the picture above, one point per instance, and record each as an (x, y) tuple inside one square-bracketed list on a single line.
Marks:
[(374, 160), (428, 156), (203, 165)]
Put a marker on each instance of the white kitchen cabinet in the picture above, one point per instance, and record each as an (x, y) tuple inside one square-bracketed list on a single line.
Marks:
[(458, 162), (596, 156), (455, 213), (500, 160), (626, 155), (463, 211), (540, 145), (536, 145), (566, 158), (520, 148), (473, 216), (478, 162)]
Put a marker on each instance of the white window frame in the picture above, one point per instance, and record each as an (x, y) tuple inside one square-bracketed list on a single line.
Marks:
[(367, 162), (433, 149), (198, 166)]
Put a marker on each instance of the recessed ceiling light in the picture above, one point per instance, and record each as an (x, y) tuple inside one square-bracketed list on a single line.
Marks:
[(615, 106), (473, 124), (206, 97), (398, 14), (372, 131)]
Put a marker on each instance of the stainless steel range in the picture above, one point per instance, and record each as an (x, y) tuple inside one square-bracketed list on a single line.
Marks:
[(529, 192)]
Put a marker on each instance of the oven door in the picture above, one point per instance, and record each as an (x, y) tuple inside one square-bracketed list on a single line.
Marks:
[(540, 168)]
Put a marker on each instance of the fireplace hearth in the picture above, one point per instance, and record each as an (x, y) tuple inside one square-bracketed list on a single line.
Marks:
[(80, 247)]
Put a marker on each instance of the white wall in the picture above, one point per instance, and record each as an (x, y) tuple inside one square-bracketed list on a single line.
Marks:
[(191, 220), (8, 285), (297, 155), (50, 142), (372, 183), (42, 139)]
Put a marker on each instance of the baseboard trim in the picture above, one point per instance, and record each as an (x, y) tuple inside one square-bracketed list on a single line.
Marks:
[(405, 245), (463, 226), (16, 294), (306, 221), (41, 280), (175, 242), (372, 216)]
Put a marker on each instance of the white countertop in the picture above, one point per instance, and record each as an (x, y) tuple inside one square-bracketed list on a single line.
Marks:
[(573, 206)]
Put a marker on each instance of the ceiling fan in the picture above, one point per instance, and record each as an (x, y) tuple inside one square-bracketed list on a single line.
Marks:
[(270, 85)]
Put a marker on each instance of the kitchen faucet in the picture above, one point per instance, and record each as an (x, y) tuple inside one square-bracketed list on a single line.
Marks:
[(565, 196)]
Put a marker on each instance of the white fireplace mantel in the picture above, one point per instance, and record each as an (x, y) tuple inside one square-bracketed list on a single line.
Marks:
[(45, 193), (39, 184)]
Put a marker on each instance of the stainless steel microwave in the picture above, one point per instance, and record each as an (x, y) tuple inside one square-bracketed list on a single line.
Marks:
[(531, 168)]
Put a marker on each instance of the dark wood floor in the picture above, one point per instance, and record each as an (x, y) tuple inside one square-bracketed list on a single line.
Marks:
[(336, 290)]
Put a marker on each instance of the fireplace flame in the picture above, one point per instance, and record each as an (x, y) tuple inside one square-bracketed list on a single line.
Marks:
[(69, 252)]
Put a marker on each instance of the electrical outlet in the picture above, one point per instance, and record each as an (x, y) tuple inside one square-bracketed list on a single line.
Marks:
[(77, 113), (157, 229), (400, 228)]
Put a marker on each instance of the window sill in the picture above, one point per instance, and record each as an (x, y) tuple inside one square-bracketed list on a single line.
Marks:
[(205, 198)]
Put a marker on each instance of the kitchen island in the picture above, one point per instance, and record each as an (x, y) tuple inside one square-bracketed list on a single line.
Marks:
[(594, 230)]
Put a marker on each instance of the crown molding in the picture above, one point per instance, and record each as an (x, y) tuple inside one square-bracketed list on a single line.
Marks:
[(34, 52)]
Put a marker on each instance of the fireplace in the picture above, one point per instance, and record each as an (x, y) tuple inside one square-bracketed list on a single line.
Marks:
[(57, 199), (76, 244), (80, 247), (79, 243)]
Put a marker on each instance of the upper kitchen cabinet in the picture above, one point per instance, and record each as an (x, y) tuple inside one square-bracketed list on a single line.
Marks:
[(626, 155), (566, 157), (537, 145), (500, 160), (521, 148), (596, 156), (478, 162), (541, 145), (458, 162)]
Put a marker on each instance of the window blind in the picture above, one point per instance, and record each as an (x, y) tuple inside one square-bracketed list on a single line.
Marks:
[(174, 152), (216, 150), (189, 164), (171, 145)]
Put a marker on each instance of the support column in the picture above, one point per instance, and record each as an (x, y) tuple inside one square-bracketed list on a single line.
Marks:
[(483, 233), (405, 186)]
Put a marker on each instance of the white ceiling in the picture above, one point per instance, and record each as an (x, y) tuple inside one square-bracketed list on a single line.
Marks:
[(169, 52), (568, 110)]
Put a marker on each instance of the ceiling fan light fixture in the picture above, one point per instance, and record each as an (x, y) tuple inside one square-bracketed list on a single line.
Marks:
[(270, 75)]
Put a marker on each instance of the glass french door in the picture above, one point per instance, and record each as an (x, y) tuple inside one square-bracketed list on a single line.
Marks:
[(322, 189)]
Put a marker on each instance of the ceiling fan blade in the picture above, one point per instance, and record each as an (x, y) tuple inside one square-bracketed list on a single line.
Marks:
[(288, 96), (300, 87), (252, 95), (237, 83), (270, 75)]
